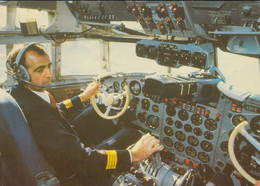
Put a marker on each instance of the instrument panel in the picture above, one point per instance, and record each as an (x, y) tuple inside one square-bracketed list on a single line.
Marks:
[(192, 133)]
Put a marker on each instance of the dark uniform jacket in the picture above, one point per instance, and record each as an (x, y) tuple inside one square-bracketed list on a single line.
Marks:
[(58, 141)]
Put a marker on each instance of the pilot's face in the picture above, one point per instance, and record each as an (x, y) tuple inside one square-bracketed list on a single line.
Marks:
[(38, 67)]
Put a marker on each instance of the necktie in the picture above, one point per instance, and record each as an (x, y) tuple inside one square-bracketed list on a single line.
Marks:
[(53, 103)]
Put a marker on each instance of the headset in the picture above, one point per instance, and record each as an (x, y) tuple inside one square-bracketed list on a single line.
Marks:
[(19, 72)]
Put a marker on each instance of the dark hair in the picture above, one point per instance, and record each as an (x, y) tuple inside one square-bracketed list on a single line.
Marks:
[(38, 48)]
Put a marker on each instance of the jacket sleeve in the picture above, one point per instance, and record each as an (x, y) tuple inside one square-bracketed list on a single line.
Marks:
[(67, 154), (70, 105)]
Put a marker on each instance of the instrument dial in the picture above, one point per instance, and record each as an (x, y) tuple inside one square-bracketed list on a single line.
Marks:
[(145, 104), (179, 146), (208, 135), (196, 119), (116, 86), (238, 119), (168, 131), (192, 140), (183, 115), (203, 157), (180, 135), (153, 122), (191, 151), (211, 124), (123, 84), (187, 128), (206, 146), (168, 142), (170, 110), (169, 121), (135, 88), (178, 124), (197, 131), (224, 146), (255, 125)]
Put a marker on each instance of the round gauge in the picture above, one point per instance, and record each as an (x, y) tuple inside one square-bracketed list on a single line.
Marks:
[(145, 104), (116, 86), (135, 88), (193, 140), (224, 146), (179, 146), (180, 135), (203, 157), (169, 121), (196, 119), (141, 116), (255, 125), (187, 128), (152, 122), (168, 142), (211, 124), (197, 131), (238, 119), (208, 135), (178, 124), (206, 146), (168, 131), (185, 57), (198, 60), (191, 151), (170, 110), (155, 108), (123, 84), (183, 115)]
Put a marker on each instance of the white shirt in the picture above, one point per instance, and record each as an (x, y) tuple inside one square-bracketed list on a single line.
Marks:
[(44, 95)]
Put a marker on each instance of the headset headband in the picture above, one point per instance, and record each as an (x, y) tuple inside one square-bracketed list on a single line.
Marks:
[(22, 51)]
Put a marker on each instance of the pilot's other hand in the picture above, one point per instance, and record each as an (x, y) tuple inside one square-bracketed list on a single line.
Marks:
[(91, 89), (257, 183), (146, 146)]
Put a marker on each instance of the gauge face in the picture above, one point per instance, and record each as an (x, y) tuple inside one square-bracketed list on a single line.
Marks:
[(206, 146), (203, 157), (193, 140), (169, 121), (155, 108), (135, 88), (168, 142), (180, 135), (178, 124), (238, 119), (211, 124), (187, 128), (145, 104), (179, 146), (183, 115), (255, 125), (199, 60), (196, 119), (141, 116), (153, 122), (191, 151), (168, 131), (197, 131), (116, 86), (208, 135), (224, 146), (185, 57), (170, 110), (123, 84)]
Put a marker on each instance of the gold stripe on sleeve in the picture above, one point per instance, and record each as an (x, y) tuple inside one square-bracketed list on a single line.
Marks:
[(67, 103), (111, 159)]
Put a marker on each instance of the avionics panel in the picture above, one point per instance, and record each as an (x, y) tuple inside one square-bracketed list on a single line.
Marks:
[(176, 55)]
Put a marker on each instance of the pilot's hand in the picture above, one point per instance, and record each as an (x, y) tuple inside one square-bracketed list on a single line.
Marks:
[(257, 183), (146, 146), (91, 89)]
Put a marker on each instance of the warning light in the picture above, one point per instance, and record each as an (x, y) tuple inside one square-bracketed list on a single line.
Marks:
[(217, 115)]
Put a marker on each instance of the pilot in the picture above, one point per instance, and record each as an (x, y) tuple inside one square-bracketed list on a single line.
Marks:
[(56, 139)]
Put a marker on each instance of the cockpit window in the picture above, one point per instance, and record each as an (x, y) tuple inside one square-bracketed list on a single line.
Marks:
[(240, 71), (3, 75), (124, 59), (3, 16), (80, 57), (23, 14)]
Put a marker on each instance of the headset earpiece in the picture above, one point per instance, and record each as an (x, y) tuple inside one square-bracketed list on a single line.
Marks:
[(23, 74)]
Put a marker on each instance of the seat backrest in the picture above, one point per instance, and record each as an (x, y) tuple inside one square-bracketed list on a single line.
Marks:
[(21, 162)]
